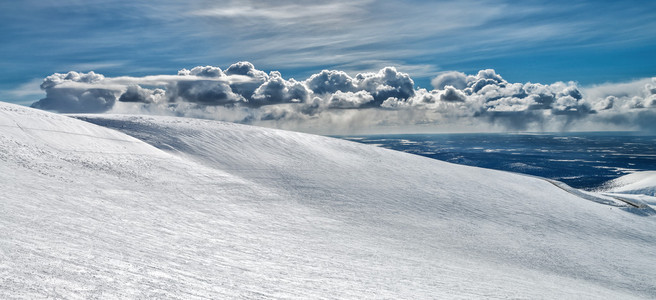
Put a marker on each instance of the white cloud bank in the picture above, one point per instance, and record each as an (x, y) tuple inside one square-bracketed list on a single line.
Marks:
[(334, 102)]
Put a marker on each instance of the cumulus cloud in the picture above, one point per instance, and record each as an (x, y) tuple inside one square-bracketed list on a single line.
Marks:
[(454, 79), (206, 71), (255, 78), (606, 103), (135, 93), (57, 78), (206, 92), (387, 83), (350, 99), (451, 94), (62, 98), (487, 96), (384, 99), (278, 90), (382, 85), (328, 82), (650, 101)]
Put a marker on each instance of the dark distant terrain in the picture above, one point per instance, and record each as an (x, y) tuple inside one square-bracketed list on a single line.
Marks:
[(582, 160)]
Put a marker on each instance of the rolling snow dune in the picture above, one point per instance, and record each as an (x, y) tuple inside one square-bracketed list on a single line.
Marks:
[(160, 207)]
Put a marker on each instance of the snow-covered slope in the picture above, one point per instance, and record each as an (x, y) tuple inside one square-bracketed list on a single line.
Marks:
[(186, 208), (637, 188), (636, 183)]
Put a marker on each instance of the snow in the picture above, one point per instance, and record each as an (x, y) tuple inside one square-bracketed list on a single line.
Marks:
[(634, 183), (162, 207), (638, 188)]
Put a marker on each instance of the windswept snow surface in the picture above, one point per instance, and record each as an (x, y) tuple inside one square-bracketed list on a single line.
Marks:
[(636, 183), (639, 188), (155, 207)]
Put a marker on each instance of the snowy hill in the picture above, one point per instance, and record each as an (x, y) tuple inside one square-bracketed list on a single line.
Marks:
[(158, 207), (635, 183), (638, 188)]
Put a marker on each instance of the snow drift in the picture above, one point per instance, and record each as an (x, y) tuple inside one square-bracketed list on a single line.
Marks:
[(159, 207)]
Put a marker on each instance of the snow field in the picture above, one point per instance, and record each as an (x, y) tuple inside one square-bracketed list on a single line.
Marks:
[(143, 207)]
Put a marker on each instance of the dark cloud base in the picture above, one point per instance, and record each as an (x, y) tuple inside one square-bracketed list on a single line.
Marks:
[(388, 97)]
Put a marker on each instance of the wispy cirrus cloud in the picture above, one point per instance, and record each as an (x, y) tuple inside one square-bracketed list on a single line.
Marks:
[(338, 34), (342, 33), (554, 39)]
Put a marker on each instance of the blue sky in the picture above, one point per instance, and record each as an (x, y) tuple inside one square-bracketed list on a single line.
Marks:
[(467, 65), (538, 41)]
